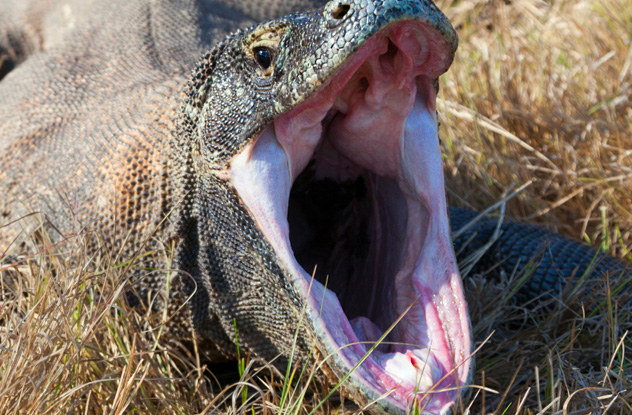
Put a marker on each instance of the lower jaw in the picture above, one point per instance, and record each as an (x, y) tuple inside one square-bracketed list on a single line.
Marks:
[(426, 360), (418, 361), (425, 357)]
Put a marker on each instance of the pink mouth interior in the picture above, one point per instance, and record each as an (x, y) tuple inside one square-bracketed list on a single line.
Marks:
[(362, 157)]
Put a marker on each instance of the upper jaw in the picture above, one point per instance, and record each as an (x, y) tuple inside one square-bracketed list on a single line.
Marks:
[(327, 45), (376, 115)]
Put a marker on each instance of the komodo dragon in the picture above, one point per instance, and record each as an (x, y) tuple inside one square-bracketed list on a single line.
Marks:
[(326, 118)]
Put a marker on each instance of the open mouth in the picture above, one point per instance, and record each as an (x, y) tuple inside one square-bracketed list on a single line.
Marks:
[(348, 187)]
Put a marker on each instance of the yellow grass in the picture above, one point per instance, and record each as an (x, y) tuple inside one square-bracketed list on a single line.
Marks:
[(539, 93)]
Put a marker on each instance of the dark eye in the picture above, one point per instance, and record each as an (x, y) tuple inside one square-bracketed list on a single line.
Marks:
[(264, 57)]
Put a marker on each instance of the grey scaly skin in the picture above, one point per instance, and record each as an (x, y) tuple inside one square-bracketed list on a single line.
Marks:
[(107, 140)]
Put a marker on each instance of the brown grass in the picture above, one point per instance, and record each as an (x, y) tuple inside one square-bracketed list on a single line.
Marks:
[(539, 93)]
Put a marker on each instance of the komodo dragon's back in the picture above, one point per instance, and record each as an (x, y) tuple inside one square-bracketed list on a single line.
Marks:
[(88, 96), (90, 93)]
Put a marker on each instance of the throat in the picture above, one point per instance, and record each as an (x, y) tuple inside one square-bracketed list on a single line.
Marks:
[(349, 235)]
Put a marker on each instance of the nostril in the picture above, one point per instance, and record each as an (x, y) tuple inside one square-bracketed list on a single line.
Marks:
[(340, 11), (336, 12)]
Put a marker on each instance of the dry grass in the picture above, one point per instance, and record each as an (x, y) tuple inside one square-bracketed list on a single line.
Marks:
[(539, 92), (70, 344)]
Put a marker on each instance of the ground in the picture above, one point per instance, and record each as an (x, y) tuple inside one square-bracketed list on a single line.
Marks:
[(536, 110)]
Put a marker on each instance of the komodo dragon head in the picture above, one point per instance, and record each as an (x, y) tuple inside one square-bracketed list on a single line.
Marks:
[(307, 147)]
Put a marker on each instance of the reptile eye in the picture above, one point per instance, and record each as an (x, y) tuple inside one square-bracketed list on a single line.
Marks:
[(264, 57)]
